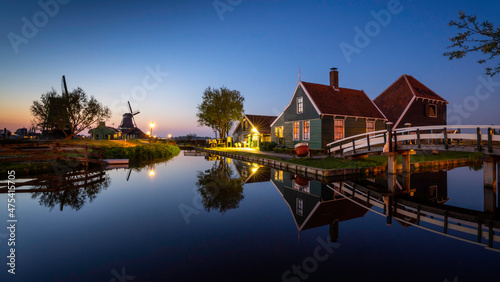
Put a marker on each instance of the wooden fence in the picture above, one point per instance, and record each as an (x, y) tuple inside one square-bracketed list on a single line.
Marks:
[(46, 151)]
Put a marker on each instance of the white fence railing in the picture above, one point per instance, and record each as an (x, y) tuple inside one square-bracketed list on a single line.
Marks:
[(480, 136)]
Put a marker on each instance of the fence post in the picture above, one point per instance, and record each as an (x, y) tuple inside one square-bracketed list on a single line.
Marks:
[(479, 147), (408, 142), (490, 141), (368, 141), (418, 139), (353, 147), (58, 151), (341, 151), (389, 134), (395, 141), (86, 157), (445, 138)]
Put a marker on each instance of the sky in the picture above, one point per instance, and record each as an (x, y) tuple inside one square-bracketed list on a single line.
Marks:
[(162, 55)]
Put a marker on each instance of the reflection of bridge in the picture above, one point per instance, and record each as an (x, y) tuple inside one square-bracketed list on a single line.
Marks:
[(314, 204), (423, 214)]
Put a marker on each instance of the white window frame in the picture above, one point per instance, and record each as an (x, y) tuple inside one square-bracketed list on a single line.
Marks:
[(299, 206), (296, 135), (308, 136), (300, 105), (335, 127)]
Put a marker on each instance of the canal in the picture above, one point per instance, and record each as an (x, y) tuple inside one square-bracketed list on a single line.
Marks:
[(206, 218)]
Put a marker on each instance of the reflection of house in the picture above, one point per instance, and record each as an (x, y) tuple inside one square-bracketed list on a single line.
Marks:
[(251, 173), (319, 114), (313, 204), (103, 132), (407, 100), (253, 129)]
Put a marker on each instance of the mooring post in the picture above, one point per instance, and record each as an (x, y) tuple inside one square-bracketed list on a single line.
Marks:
[(490, 182)]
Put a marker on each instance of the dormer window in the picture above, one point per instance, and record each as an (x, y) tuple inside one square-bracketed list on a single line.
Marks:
[(300, 105), (431, 110)]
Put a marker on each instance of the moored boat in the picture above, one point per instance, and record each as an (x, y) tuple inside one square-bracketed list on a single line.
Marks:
[(302, 149)]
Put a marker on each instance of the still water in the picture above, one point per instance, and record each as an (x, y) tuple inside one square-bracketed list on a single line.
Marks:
[(196, 218)]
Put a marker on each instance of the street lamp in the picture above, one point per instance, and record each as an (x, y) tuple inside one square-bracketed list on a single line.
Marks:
[(170, 136), (151, 136)]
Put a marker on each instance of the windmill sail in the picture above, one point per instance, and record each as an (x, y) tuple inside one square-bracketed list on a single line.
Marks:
[(64, 87)]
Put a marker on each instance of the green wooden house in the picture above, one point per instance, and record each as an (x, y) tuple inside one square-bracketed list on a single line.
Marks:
[(103, 132), (319, 114), (252, 129)]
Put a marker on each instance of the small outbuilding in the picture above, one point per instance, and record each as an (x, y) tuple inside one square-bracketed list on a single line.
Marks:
[(103, 132)]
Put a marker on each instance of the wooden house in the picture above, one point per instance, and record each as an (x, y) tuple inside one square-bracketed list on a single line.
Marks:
[(319, 114), (252, 129), (407, 100), (103, 132)]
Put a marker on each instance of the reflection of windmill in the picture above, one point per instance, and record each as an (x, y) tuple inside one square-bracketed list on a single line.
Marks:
[(128, 120)]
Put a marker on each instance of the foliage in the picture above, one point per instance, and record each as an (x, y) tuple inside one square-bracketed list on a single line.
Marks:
[(267, 146), (220, 109), (71, 113), (218, 189), (146, 152), (477, 37)]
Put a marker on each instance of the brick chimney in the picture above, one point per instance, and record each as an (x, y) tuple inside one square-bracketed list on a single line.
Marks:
[(334, 78)]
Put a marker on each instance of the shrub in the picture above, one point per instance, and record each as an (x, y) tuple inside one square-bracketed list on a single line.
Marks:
[(267, 146)]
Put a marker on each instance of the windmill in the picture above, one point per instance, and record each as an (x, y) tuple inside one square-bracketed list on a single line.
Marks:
[(128, 120)]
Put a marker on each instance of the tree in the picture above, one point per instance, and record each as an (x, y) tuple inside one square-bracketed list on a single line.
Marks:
[(220, 109), (477, 37), (71, 113)]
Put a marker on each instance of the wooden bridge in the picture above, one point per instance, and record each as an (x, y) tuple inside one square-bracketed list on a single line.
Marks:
[(462, 138)]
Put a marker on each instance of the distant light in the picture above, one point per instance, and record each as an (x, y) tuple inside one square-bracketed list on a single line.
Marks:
[(155, 136), (255, 130), (148, 133), (254, 169), (169, 136), (152, 125), (151, 173)]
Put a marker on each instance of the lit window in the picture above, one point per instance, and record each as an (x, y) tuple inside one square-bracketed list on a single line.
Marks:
[(278, 175), (300, 105), (276, 131), (432, 110), (296, 130), (307, 130), (300, 206), (339, 129), (280, 132), (370, 126)]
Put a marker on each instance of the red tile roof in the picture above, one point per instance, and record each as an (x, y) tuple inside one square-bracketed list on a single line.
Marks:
[(394, 100), (262, 123), (342, 101)]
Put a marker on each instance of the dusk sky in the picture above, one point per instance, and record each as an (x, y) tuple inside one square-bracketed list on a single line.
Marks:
[(161, 55)]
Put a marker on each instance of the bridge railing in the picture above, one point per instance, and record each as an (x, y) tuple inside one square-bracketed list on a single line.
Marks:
[(482, 137)]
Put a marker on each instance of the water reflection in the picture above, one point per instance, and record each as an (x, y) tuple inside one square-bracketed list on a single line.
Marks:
[(219, 189), (71, 189)]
